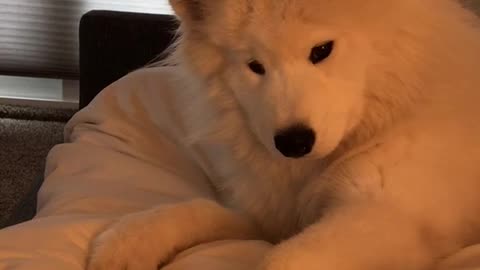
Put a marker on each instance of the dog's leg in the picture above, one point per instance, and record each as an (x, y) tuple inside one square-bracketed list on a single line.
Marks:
[(144, 240), (367, 236), (350, 224)]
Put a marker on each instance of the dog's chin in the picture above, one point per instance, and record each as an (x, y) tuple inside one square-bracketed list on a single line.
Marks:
[(318, 153), (313, 156)]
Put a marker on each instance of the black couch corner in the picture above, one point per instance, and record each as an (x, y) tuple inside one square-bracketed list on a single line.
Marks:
[(114, 43)]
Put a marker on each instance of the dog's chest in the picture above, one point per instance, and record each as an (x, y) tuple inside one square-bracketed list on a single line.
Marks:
[(265, 189)]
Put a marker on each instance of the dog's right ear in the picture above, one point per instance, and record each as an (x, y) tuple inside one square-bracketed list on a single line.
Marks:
[(191, 11)]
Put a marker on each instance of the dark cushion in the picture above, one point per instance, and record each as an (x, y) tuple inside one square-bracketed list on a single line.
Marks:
[(114, 43), (26, 207)]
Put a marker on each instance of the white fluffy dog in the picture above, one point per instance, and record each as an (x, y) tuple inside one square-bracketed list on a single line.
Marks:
[(346, 131)]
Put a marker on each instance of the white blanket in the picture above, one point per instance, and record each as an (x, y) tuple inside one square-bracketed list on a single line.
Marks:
[(119, 158)]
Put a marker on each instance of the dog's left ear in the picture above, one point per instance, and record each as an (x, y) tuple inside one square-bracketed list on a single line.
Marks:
[(216, 20), (196, 14), (192, 11)]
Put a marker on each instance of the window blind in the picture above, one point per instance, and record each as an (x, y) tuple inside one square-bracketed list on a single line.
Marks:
[(40, 37)]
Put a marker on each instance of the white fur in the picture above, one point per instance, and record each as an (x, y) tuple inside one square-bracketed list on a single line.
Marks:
[(393, 179)]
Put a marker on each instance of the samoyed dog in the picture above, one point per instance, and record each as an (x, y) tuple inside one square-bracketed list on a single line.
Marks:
[(347, 132)]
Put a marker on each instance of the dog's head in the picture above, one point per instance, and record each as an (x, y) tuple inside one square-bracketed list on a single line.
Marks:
[(298, 69)]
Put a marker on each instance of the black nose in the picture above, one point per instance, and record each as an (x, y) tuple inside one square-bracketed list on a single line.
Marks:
[(295, 142)]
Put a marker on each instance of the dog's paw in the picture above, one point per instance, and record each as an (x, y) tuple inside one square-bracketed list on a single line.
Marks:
[(282, 257), (147, 239), (300, 253), (117, 249)]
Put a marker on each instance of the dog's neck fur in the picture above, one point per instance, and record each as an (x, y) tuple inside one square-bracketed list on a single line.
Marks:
[(421, 72)]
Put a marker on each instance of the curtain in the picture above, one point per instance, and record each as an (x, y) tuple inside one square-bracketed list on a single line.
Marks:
[(40, 37)]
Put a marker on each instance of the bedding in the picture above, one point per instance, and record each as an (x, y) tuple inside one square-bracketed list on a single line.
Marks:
[(119, 157)]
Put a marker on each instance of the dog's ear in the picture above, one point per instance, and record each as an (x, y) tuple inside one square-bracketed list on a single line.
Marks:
[(216, 20), (191, 11)]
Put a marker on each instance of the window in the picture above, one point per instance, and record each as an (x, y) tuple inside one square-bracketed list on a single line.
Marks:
[(39, 38)]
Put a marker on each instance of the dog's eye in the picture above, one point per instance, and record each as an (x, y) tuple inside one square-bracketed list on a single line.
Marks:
[(321, 52), (256, 67)]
